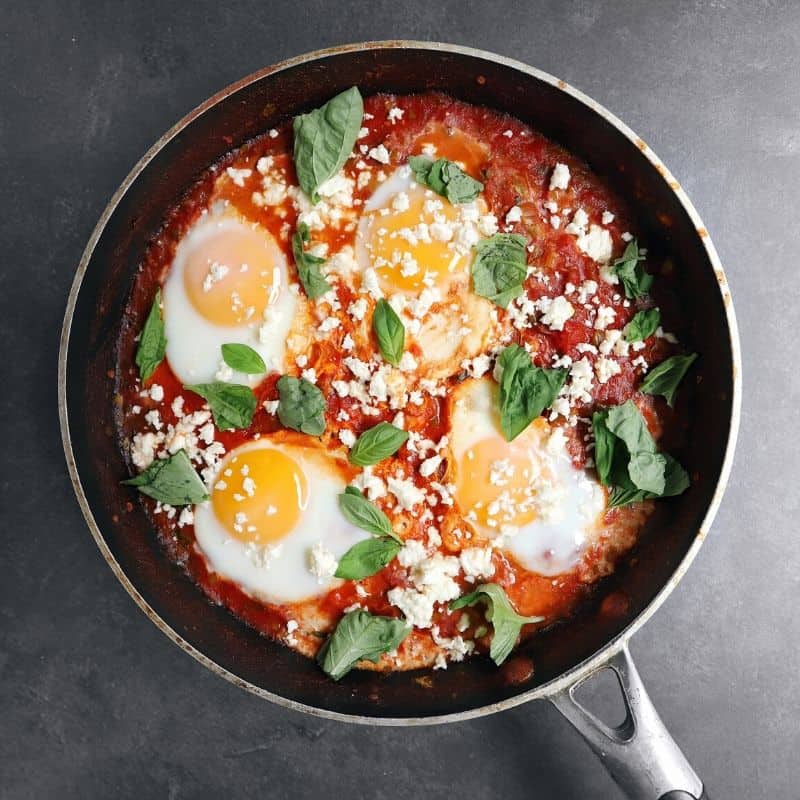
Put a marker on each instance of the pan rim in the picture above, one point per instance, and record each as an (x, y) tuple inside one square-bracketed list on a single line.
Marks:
[(611, 648)]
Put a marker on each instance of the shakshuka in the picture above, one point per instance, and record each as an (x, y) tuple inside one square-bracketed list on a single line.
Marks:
[(399, 384)]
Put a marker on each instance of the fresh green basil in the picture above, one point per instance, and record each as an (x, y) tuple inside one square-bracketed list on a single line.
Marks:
[(308, 265), (499, 267), (360, 636), (243, 359), (643, 324), (171, 480), (445, 178), (525, 390), (665, 378), (301, 405), (390, 332), (363, 514), (635, 279), (505, 621), (232, 404), (324, 139), (367, 557), (627, 460), (152, 341), (377, 443)]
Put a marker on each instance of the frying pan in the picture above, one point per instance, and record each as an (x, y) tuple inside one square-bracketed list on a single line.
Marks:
[(640, 754)]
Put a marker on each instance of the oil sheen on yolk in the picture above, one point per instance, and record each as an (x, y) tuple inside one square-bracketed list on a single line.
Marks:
[(262, 494), (512, 466), (387, 245), (229, 275)]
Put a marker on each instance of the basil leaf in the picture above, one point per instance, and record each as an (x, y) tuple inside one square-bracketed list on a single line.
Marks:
[(625, 495), (360, 635), (308, 265), (171, 480), (445, 178), (324, 139), (232, 404), (643, 324), (676, 478), (377, 443), (367, 557), (627, 422), (635, 279), (301, 405), (646, 470), (627, 460), (665, 378), (243, 359), (506, 622), (390, 332), (499, 267), (152, 341), (605, 447), (525, 390), (363, 514)]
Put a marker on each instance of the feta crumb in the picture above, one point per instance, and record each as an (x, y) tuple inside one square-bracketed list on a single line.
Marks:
[(379, 154), (605, 316), (476, 562), (557, 313), (405, 491), (156, 393), (322, 563), (238, 175), (514, 215), (560, 177)]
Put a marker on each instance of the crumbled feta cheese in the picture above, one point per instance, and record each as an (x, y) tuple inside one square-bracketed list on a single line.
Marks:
[(238, 175), (560, 177), (156, 393), (558, 311), (379, 154), (605, 316), (322, 563), (347, 438), (514, 215), (606, 368), (405, 491), (476, 562)]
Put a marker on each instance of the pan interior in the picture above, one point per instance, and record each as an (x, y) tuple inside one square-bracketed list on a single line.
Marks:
[(253, 106)]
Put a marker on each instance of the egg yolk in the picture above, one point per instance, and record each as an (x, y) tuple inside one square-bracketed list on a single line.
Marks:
[(260, 495), (410, 241), (454, 145), (232, 274), (494, 484)]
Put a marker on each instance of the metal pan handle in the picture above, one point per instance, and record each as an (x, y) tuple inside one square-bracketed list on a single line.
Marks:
[(639, 753)]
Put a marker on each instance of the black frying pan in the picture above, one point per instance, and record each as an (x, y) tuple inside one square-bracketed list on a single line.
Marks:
[(640, 754)]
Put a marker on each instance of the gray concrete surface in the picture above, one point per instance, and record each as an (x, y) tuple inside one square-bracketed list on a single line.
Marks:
[(94, 701)]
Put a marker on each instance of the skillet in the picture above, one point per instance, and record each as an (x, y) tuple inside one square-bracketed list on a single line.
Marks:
[(639, 753)]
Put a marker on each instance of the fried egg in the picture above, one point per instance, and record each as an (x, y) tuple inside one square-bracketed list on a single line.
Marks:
[(273, 513), (417, 248), (228, 284), (525, 494)]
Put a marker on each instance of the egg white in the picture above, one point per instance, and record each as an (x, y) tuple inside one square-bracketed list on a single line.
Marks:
[(193, 342), (447, 320), (569, 503), (279, 573)]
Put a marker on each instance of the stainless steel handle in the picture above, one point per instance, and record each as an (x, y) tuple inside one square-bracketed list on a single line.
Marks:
[(639, 753)]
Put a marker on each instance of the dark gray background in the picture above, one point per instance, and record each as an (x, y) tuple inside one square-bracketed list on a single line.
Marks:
[(94, 701)]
